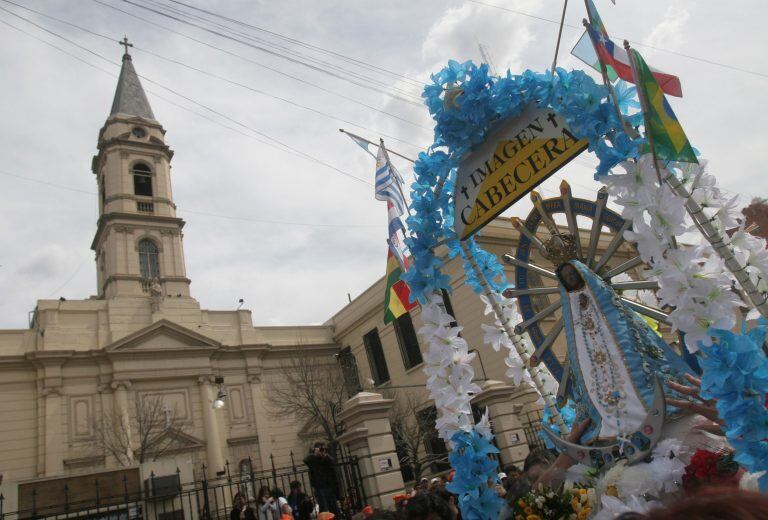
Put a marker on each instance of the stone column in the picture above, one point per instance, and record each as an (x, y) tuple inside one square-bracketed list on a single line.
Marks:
[(213, 448), (54, 432), (261, 415), (368, 436), (505, 421), (121, 410)]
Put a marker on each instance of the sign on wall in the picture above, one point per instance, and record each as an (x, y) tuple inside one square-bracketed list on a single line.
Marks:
[(516, 157)]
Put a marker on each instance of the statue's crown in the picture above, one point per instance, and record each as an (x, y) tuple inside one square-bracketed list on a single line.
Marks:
[(560, 248)]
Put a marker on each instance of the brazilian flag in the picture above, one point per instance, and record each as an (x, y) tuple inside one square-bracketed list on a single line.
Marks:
[(661, 125)]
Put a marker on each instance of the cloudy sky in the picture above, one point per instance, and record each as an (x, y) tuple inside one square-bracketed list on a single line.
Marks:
[(283, 231)]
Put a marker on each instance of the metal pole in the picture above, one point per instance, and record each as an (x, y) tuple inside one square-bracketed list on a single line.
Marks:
[(612, 93), (376, 145), (559, 35), (206, 500), (644, 107)]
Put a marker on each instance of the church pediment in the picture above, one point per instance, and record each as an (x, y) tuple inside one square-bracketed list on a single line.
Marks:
[(163, 335), (175, 441)]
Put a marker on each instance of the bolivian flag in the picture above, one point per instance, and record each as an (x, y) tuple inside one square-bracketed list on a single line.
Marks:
[(669, 141), (396, 300)]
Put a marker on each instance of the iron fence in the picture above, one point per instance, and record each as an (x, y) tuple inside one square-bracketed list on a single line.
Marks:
[(532, 429), (165, 497)]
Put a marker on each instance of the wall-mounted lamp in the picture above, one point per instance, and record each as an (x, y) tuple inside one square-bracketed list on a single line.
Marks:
[(219, 402)]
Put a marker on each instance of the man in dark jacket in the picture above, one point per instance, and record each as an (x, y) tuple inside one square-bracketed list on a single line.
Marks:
[(300, 503), (322, 476)]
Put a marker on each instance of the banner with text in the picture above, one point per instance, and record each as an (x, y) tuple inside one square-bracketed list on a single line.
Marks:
[(515, 158)]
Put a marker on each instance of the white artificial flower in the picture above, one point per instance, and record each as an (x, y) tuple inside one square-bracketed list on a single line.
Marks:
[(729, 213), (516, 370), (612, 507), (449, 336), (488, 306), (483, 426), (647, 241), (433, 317), (668, 215), (495, 336)]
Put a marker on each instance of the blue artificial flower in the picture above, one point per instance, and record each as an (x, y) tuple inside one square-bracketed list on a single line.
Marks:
[(626, 96), (736, 374), (471, 458)]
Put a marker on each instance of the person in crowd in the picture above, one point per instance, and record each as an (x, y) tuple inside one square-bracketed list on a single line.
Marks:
[(501, 487), (322, 476), (286, 513), (266, 505), (429, 506), (453, 501), (240, 509), (512, 472), (300, 503), (421, 487)]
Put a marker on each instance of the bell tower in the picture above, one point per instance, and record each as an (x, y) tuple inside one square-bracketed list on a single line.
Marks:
[(138, 241)]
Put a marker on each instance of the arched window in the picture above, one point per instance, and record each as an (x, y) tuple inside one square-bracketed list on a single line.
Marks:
[(142, 179), (149, 262)]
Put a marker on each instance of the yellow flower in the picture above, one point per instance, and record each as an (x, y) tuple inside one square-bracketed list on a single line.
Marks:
[(582, 491), (612, 491), (533, 517), (528, 511), (575, 504), (521, 502), (584, 513)]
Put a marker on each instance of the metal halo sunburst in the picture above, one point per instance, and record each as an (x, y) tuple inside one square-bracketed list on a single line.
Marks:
[(538, 311)]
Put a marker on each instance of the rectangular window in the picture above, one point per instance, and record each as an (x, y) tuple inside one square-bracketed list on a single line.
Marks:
[(433, 444), (142, 185), (448, 306), (376, 358), (406, 338)]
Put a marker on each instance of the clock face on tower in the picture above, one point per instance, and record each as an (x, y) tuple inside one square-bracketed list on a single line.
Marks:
[(138, 132)]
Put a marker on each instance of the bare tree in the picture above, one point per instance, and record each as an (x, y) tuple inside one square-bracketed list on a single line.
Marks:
[(313, 391), (148, 436), (413, 429)]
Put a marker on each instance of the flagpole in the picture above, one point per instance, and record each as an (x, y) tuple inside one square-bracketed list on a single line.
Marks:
[(644, 108), (604, 73), (559, 35), (712, 234), (376, 145)]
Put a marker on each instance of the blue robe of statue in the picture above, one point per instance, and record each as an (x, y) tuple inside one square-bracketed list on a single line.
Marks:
[(614, 356)]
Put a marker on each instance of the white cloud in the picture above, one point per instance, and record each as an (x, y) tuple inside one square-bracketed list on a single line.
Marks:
[(670, 32)]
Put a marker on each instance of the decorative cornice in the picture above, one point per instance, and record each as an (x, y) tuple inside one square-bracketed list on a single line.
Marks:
[(241, 441), (106, 220)]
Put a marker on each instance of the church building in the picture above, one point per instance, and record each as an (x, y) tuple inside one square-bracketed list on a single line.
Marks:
[(142, 338)]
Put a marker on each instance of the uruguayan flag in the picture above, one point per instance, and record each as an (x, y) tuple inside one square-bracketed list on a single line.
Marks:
[(389, 183)]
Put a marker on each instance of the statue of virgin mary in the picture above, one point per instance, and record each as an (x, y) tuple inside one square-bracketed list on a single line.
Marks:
[(618, 371)]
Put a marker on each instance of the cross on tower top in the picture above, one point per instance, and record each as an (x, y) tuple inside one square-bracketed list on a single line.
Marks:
[(125, 43)]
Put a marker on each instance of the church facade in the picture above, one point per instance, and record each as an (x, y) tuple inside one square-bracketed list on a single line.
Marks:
[(142, 338)]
